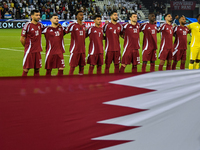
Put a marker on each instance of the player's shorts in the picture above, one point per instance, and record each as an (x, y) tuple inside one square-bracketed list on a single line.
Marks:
[(32, 60), (165, 54), (149, 55), (179, 54), (96, 59), (77, 59), (131, 56), (113, 56), (194, 53), (54, 61)]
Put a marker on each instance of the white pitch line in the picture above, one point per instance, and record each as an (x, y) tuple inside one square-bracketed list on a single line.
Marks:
[(8, 49)]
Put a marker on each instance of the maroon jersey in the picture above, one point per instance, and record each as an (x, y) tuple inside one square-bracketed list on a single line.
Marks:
[(32, 33), (131, 36), (112, 32), (150, 36), (77, 31), (166, 36), (54, 40), (180, 34), (96, 40)]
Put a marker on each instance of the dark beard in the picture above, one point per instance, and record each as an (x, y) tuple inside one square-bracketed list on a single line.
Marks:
[(36, 20), (115, 20)]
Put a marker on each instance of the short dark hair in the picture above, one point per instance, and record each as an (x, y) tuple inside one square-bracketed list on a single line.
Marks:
[(151, 13), (181, 17), (78, 12), (97, 16), (166, 15), (53, 15), (34, 11), (112, 12), (197, 16), (133, 14), (176, 15)]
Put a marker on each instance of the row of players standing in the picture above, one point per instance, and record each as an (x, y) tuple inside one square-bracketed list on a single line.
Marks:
[(31, 39)]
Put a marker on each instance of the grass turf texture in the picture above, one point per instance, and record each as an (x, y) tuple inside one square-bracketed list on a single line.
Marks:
[(12, 52)]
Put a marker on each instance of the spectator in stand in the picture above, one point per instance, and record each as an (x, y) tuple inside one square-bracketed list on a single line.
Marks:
[(176, 21)]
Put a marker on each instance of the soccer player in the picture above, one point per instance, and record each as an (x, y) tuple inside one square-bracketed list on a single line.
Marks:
[(54, 46), (77, 46), (166, 46), (149, 43), (112, 32), (95, 54), (31, 40), (131, 44), (180, 43), (195, 44)]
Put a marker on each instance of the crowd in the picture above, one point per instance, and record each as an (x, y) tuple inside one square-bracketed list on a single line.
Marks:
[(20, 9), (159, 9)]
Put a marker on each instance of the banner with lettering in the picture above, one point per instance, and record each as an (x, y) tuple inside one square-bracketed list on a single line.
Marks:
[(183, 5)]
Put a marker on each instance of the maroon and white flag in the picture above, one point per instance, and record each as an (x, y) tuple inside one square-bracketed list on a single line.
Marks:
[(152, 111)]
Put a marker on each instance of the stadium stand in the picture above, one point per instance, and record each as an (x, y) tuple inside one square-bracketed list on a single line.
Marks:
[(20, 9)]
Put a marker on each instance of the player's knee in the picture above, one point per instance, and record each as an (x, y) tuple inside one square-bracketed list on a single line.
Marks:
[(162, 62), (152, 61), (26, 70), (60, 68), (182, 61), (169, 62), (123, 65), (192, 61)]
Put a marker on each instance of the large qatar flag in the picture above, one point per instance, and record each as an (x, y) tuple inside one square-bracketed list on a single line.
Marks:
[(152, 111)]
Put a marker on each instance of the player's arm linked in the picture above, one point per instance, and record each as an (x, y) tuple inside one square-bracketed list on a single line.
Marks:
[(22, 40)]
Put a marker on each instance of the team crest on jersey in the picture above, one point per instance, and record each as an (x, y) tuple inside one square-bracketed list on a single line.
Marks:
[(110, 28), (83, 28), (95, 31), (149, 28), (51, 30), (32, 29), (155, 27), (118, 28), (167, 28), (137, 27), (76, 29), (38, 27), (130, 27), (181, 29), (59, 29)]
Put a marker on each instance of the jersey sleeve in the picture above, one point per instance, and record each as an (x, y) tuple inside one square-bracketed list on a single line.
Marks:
[(161, 28), (122, 29), (174, 30), (88, 31), (44, 31), (69, 28), (42, 27), (25, 29), (63, 30), (142, 27), (105, 27), (189, 26)]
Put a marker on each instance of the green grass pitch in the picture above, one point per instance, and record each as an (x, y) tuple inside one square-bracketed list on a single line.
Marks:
[(11, 54)]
